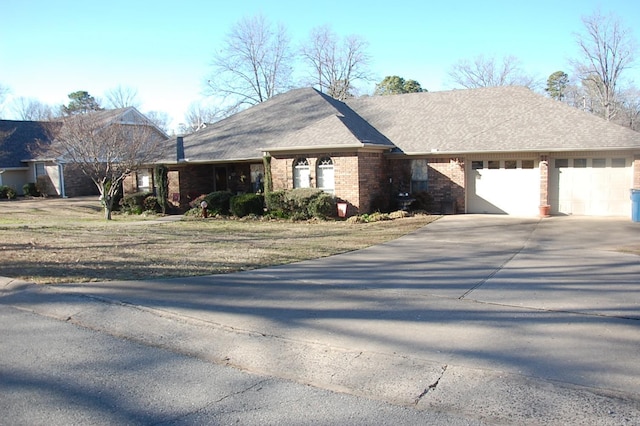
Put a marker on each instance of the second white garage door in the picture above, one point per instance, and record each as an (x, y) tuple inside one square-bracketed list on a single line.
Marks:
[(591, 186), (503, 187)]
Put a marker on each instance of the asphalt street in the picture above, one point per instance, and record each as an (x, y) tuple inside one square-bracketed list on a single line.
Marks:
[(479, 319)]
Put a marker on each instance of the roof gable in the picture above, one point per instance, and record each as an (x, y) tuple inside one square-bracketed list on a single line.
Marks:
[(279, 122)]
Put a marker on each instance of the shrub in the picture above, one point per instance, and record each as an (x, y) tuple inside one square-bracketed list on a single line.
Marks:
[(134, 203), (218, 202), (246, 204), (150, 203), (322, 206), (301, 204), (8, 192), (298, 201), (423, 201), (275, 201), (30, 190)]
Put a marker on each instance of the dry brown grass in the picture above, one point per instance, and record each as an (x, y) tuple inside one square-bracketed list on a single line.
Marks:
[(55, 241)]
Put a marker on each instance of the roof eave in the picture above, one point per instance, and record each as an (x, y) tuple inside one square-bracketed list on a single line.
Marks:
[(501, 151), (324, 148)]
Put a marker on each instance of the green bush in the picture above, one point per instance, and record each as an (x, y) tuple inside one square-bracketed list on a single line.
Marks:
[(301, 204), (30, 190), (218, 202), (322, 206), (7, 192), (134, 203), (246, 204), (275, 201), (151, 204)]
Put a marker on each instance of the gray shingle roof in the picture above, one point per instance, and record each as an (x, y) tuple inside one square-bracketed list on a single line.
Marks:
[(459, 121), (489, 119), (17, 139), (299, 118)]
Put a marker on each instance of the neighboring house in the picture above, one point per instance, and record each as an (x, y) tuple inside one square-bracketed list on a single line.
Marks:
[(492, 150), (24, 157), (17, 139)]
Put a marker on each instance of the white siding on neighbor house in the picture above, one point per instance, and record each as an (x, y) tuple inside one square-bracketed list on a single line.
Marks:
[(595, 186), (503, 186)]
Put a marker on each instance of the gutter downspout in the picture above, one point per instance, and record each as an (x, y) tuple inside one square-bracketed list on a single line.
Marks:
[(1, 172), (61, 179)]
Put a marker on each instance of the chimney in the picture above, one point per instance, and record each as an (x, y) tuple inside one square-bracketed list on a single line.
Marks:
[(180, 148)]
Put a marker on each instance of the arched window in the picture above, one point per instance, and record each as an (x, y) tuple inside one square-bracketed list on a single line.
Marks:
[(301, 174), (325, 174)]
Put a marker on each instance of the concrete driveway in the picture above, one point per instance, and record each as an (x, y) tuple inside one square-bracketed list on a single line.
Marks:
[(500, 318)]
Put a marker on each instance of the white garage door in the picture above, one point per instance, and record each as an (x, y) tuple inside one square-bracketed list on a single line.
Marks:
[(591, 186), (503, 187)]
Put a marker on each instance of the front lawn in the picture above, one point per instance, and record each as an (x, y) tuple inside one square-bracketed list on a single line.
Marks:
[(56, 241)]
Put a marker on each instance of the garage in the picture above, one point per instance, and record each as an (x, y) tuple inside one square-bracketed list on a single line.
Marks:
[(593, 186), (503, 186)]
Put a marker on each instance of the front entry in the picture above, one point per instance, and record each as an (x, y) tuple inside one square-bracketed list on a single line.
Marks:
[(220, 181)]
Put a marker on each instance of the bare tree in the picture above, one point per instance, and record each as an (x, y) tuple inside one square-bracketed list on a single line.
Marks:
[(489, 72), (254, 64), (336, 65), (198, 116), (4, 91), (122, 97), (31, 109), (160, 119), (629, 101), (106, 153), (607, 49)]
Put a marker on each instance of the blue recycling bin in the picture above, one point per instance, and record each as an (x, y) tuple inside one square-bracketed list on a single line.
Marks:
[(635, 205)]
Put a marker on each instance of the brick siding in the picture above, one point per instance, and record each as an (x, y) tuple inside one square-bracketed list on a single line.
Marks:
[(359, 177)]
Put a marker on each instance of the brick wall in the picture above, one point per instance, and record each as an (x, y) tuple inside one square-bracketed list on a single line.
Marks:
[(130, 184), (373, 180), (359, 177), (76, 183), (446, 184), (544, 180)]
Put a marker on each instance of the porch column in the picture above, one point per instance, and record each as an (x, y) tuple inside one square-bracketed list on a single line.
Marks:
[(544, 185)]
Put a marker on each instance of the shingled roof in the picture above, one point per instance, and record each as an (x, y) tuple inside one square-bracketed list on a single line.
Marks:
[(300, 119), (452, 122), (489, 120), (17, 139)]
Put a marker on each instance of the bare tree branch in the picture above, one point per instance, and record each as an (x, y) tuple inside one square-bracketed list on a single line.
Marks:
[(30, 109), (607, 49), (123, 97), (255, 63), (487, 72), (335, 66), (105, 152)]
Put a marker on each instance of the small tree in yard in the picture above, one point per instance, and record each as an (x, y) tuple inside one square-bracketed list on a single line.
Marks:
[(106, 153)]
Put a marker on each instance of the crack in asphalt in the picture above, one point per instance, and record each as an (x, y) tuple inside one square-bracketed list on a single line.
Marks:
[(432, 386)]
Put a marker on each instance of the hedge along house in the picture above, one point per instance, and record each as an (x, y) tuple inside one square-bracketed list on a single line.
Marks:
[(499, 150)]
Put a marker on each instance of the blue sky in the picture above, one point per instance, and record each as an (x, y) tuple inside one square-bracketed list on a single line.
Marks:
[(163, 49)]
